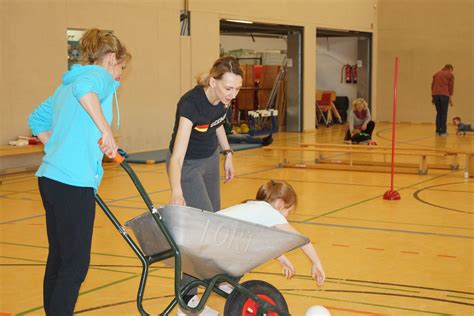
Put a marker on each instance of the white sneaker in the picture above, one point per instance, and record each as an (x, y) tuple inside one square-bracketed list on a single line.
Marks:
[(226, 287), (193, 302)]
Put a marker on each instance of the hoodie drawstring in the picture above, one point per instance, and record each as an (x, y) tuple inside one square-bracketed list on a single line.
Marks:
[(117, 108)]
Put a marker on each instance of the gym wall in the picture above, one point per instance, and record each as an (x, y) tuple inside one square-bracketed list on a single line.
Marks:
[(33, 52), (425, 35)]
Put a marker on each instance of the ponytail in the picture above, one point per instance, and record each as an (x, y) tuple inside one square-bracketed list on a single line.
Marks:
[(95, 44), (203, 79), (219, 69)]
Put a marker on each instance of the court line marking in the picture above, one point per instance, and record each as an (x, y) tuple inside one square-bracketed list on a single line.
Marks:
[(152, 270), (21, 219), (89, 291), (416, 195), (382, 229), (317, 182), (404, 141), (401, 223), (378, 196), (300, 276), (90, 309), (45, 247), (403, 295), (363, 303), (462, 297)]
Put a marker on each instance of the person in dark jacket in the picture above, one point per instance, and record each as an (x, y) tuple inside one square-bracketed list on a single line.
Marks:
[(442, 89)]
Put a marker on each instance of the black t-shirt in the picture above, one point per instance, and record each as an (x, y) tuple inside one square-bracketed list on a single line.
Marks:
[(206, 118)]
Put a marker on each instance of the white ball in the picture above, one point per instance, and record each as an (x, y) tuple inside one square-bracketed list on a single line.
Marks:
[(317, 311)]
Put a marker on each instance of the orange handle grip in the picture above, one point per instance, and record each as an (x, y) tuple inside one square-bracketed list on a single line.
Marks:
[(118, 158)]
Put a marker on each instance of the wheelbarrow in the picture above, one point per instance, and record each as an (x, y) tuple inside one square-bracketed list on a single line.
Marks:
[(211, 247)]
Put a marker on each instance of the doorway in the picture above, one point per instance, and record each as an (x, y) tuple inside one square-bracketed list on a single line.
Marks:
[(344, 65), (265, 51)]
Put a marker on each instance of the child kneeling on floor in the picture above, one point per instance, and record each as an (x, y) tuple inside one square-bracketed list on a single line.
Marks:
[(271, 207)]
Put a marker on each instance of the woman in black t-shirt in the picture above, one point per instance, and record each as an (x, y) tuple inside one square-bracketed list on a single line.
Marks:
[(193, 165)]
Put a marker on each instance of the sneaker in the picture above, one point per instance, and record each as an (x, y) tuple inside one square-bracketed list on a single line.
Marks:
[(372, 143), (226, 287), (443, 134), (193, 302), (267, 140)]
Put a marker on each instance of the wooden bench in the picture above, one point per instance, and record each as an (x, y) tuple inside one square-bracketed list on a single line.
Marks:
[(10, 154), (322, 162), (20, 150), (16, 159)]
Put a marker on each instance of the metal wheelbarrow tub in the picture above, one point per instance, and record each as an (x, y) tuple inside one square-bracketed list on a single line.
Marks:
[(211, 243)]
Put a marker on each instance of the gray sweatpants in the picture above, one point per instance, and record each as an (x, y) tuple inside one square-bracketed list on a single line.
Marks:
[(200, 182), (201, 189)]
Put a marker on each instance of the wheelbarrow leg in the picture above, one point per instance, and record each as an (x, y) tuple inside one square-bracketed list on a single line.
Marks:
[(138, 252)]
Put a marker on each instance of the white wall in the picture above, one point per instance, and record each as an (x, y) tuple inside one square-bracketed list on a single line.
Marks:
[(246, 42), (332, 54)]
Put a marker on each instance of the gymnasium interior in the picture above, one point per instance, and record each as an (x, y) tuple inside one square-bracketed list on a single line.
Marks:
[(408, 256)]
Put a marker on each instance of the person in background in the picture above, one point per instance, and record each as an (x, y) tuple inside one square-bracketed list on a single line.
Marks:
[(462, 128), (442, 90), (360, 124), (70, 124)]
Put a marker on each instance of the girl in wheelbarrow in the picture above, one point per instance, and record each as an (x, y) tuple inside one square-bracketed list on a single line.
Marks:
[(272, 205)]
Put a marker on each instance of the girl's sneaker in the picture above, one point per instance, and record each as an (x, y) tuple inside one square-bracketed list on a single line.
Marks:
[(193, 302)]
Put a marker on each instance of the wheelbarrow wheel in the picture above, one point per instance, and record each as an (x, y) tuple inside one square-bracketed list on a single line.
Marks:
[(238, 304)]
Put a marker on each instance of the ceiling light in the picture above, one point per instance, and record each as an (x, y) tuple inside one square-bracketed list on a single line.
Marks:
[(240, 21)]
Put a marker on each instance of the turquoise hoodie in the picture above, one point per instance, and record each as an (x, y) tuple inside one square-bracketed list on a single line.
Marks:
[(72, 155)]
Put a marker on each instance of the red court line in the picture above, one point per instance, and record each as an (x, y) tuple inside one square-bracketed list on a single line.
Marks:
[(340, 245), (355, 311), (410, 252), (5, 314), (378, 249), (447, 256)]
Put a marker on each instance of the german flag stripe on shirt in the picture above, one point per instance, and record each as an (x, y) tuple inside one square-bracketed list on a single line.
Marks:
[(202, 128)]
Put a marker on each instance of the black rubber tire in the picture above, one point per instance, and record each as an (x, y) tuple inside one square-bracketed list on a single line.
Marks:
[(235, 301)]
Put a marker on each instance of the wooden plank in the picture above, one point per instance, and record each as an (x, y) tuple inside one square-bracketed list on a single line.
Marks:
[(20, 150), (397, 149), (383, 163), (328, 166), (372, 150)]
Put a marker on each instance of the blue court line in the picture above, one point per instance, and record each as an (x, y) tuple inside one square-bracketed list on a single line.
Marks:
[(383, 229), (21, 219)]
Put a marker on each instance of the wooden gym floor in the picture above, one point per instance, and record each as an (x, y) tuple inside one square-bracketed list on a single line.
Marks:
[(407, 257)]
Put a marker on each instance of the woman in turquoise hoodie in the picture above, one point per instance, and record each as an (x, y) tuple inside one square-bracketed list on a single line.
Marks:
[(70, 123)]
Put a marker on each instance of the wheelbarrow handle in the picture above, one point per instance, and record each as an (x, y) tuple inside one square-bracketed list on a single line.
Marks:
[(118, 157)]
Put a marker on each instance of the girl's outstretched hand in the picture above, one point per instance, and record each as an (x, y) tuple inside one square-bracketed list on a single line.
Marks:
[(317, 273), (288, 268)]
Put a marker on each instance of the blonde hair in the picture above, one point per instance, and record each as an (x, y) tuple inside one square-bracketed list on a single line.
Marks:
[(95, 44), (359, 101), (276, 189), (219, 69)]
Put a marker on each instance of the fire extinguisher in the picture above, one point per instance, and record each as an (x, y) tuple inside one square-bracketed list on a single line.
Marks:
[(354, 74), (346, 74)]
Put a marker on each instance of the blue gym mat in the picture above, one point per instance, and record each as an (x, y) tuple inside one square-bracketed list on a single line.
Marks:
[(157, 156)]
